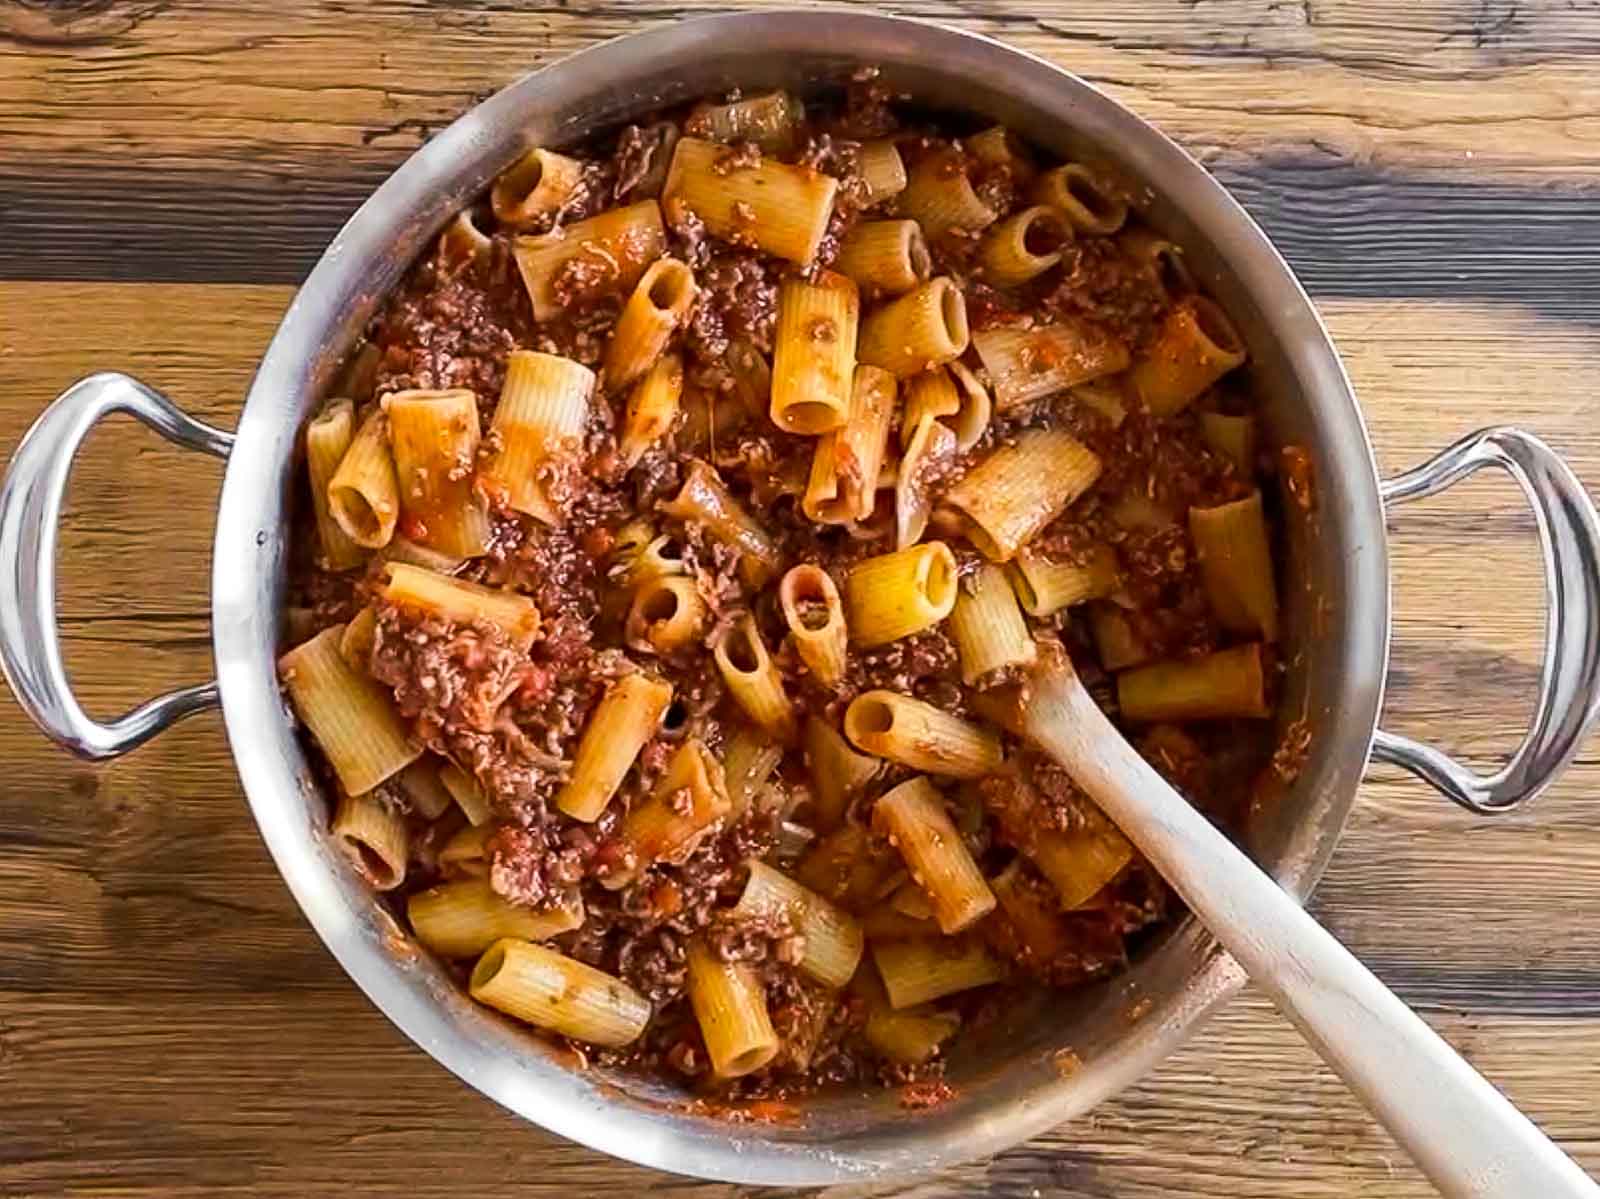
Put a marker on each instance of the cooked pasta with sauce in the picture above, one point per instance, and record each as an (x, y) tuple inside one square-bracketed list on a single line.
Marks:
[(680, 552)]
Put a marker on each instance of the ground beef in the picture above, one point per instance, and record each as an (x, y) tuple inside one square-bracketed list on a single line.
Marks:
[(738, 299), (641, 161), (454, 329), (1097, 280)]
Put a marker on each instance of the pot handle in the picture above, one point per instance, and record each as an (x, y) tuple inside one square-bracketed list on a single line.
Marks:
[(1569, 685), (30, 512)]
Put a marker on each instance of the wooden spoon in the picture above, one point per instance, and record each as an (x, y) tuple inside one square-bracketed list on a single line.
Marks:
[(1466, 1136)]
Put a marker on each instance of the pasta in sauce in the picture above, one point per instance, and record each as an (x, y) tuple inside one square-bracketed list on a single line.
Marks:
[(685, 526)]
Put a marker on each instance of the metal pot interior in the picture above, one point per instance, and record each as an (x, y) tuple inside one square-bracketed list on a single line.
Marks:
[(1014, 1079)]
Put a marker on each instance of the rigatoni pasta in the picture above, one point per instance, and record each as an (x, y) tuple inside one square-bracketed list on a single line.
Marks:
[(813, 366), (351, 717), (987, 626), (660, 303), (1026, 365), (885, 257), (919, 735), (1196, 345), (831, 940), (462, 919), (916, 823), (923, 328), (815, 615), (602, 256), (548, 989), (536, 186), (1020, 488), (543, 410), (328, 438), (731, 1007), (363, 494), (895, 595), (624, 721), (765, 205), (435, 439)]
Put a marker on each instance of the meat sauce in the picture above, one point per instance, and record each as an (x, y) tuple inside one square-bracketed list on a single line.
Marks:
[(511, 719)]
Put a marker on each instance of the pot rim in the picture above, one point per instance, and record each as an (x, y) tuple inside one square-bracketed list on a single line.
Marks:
[(249, 560)]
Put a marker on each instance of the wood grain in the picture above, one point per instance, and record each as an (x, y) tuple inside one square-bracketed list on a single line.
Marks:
[(169, 1026)]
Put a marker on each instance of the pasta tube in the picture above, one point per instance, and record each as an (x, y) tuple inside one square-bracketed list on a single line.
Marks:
[(730, 1006), (912, 816), (328, 438), (750, 760), (932, 447), (689, 801), (534, 187), (920, 970), (374, 838), (704, 499), (1087, 199), (1233, 437), (769, 206), (1230, 682), (885, 257), (931, 393), (463, 602), (894, 595), (813, 366), (424, 791), (1196, 345), (939, 196), (919, 735), (1021, 487), (921, 329), (843, 483), (469, 797), (1236, 565), (463, 240), (667, 614), (548, 989), (1045, 586), (815, 615), (435, 439), (910, 1037), (752, 678), (832, 938), (1115, 639), (652, 408), (987, 625), (352, 717), (543, 411), (1023, 246), (461, 919), (997, 146), (363, 494), (772, 121), (1162, 261), (1026, 365), (838, 773), (970, 421), (659, 305), (882, 171), (604, 255), (622, 724)]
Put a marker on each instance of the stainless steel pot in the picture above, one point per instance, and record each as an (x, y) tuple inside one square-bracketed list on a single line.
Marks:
[(1010, 1083)]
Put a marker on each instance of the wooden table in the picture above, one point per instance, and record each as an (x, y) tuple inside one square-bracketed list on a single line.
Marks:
[(170, 1026)]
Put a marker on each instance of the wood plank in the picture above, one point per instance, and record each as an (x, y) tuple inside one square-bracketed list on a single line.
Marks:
[(1246, 1111), (1371, 149)]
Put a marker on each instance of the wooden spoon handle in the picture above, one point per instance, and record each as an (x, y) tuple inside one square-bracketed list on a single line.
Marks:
[(1466, 1136)]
